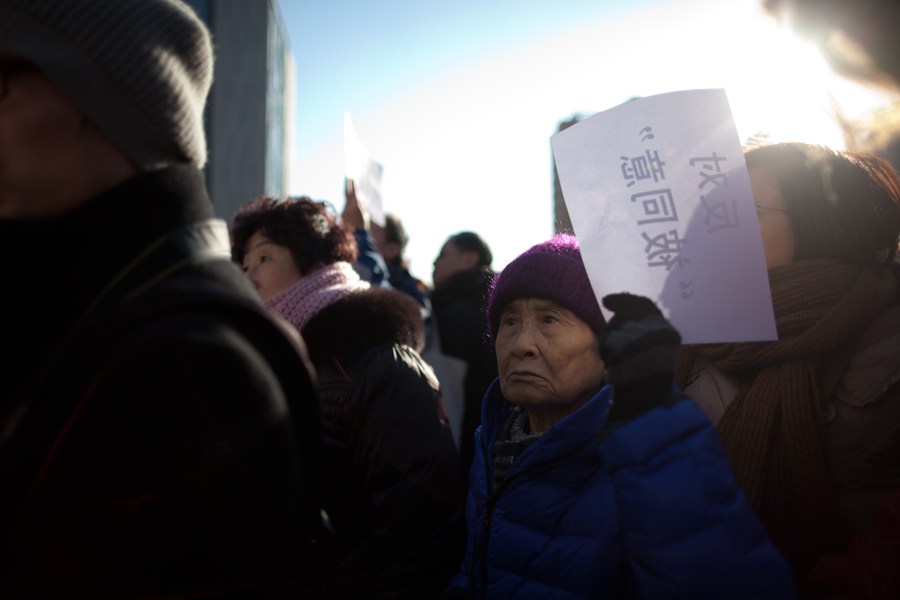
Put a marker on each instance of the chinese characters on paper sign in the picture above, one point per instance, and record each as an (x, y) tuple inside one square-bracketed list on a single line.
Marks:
[(657, 207)]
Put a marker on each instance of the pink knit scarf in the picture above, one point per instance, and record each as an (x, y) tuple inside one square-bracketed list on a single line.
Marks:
[(310, 294)]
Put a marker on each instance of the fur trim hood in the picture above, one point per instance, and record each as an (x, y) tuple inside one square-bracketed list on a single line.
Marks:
[(363, 320)]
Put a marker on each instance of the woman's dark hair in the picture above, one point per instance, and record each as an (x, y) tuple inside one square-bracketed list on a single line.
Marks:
[(306, 227), (841, 204), (468, 241), (394, 231)]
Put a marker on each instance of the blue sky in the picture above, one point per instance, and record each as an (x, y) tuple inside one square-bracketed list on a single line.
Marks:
[(366, 54), (458, 99)]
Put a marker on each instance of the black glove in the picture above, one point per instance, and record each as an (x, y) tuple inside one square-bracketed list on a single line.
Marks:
[(638, 347)]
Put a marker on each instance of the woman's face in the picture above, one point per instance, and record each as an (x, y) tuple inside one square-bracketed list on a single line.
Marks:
[(548, 360), (269, 266), (774, 222)]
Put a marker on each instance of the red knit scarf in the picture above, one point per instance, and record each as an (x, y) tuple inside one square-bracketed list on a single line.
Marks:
[(773, 430)]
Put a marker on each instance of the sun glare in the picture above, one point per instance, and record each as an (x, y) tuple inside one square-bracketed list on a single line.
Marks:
[(803, 100), (469, 148)]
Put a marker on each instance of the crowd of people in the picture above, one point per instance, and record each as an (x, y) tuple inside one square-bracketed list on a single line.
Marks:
[(277, 408)]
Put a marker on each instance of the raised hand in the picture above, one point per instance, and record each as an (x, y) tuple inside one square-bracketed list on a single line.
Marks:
[(638, 347)]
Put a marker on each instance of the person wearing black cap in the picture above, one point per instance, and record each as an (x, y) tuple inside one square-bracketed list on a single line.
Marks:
[(593, 476), (158, 429)]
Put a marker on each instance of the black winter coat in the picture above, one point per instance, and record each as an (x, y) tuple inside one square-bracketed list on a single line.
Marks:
[(390, 485), (458, 307), (153, 412)]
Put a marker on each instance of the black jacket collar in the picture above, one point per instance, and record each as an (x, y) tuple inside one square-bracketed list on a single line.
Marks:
[(467, 286), (74, 256), (55, 268)]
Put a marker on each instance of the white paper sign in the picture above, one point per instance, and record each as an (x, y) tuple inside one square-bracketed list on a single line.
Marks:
[(365, 173), (660, 201)]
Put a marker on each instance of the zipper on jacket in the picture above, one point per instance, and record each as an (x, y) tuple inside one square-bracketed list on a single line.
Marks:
[(491, 501), (486, 533)]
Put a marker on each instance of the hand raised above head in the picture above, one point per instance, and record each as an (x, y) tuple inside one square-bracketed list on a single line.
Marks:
[(354, 215)]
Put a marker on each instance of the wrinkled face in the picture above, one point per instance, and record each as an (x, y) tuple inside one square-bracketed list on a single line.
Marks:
[(269, 266), (52, 159), (450, 261), (774, 222), (548, 359)]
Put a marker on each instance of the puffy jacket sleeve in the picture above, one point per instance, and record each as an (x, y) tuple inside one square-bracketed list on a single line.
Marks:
[(370, 264), (688, 529)]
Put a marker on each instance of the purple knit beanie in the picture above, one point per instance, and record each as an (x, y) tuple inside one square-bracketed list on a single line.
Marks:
[(553, 271)]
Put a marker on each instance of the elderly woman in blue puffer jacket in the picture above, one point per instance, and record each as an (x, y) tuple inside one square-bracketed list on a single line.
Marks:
[(585, 490)]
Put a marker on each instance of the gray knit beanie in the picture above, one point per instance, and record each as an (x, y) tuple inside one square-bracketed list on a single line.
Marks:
[(138, 69)]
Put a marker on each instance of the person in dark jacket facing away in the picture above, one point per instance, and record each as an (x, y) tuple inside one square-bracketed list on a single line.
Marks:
[(390, 491), (593, 477), (462, 276), (158, 428)]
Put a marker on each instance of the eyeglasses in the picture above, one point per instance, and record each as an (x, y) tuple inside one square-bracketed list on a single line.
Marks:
[(773, 208)]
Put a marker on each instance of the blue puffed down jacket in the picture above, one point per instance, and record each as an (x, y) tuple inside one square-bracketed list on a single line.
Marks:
[(644, 509)]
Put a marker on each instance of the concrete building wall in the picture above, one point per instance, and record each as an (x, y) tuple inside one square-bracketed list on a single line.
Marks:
[(250, 105), (237, 107)]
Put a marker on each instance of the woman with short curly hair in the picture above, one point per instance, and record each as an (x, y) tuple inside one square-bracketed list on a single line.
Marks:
[(390, 490)]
